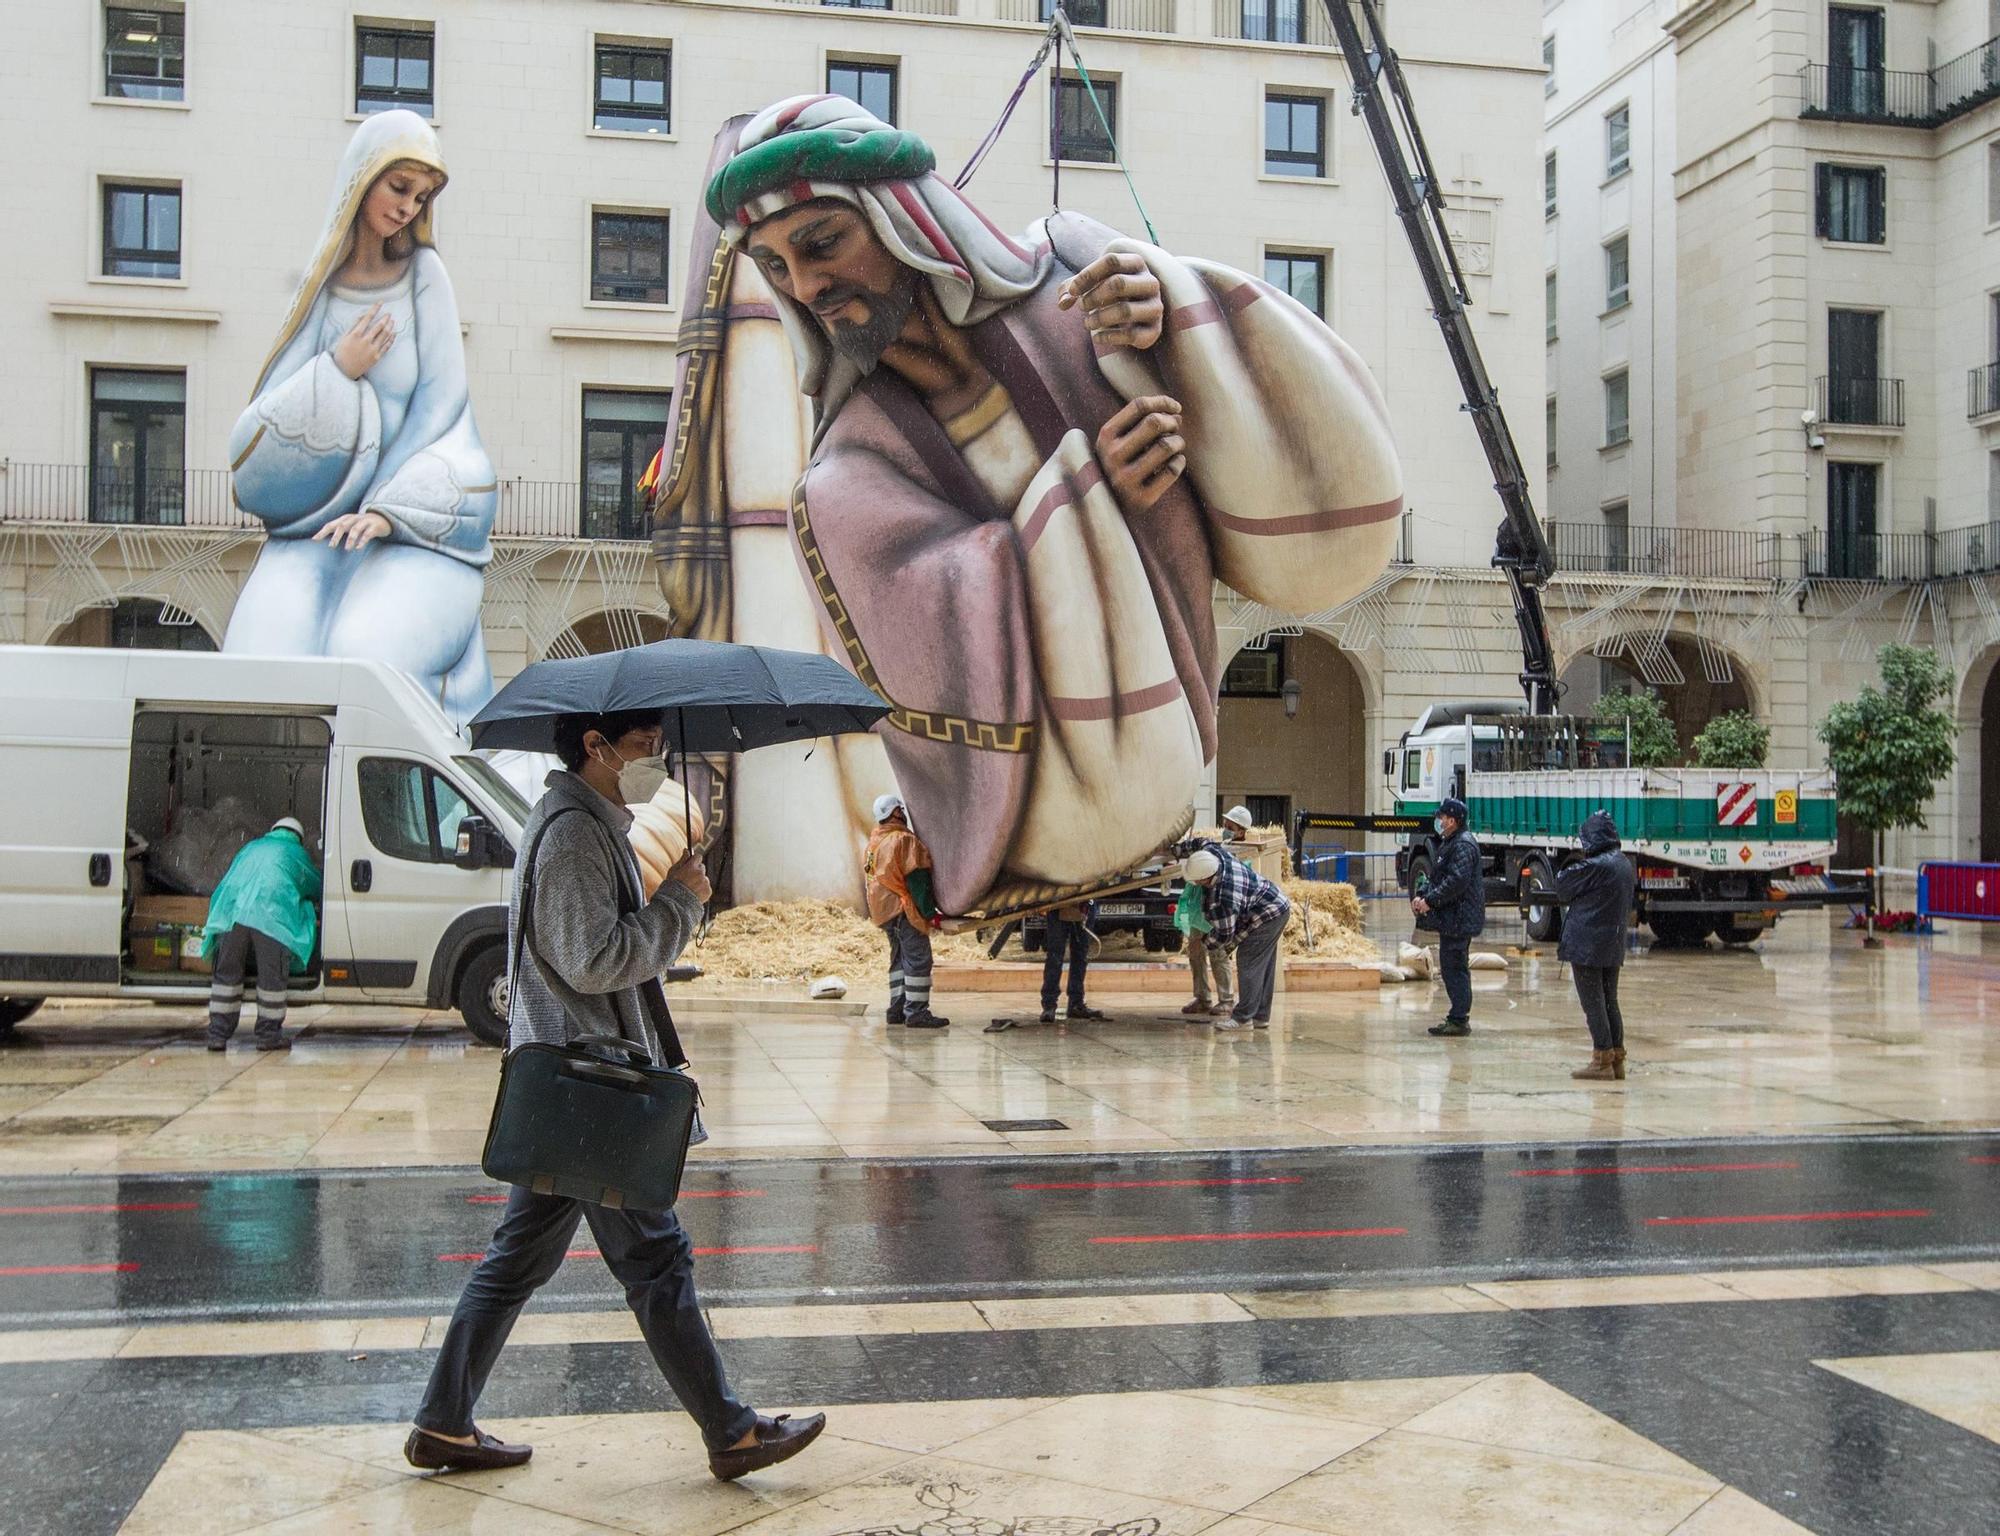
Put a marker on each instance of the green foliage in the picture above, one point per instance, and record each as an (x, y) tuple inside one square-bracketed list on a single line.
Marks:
[(1653, 741), (1889, 748), (1734, 740)]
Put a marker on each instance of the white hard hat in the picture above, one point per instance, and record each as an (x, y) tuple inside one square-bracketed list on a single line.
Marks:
[(1240, 816), (289, 824), (887, 806), (1201, 866)]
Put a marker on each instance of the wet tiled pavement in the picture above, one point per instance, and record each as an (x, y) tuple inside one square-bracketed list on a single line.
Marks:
[(1333, 1278)]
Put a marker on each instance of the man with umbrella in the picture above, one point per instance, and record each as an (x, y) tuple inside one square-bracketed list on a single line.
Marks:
[(591, 950)]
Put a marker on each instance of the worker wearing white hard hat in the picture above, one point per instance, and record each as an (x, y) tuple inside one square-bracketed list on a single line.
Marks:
[(1240, 912), (1238, 817), (900, 903)]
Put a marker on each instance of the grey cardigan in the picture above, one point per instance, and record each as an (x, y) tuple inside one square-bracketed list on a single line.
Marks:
[(599, 947)]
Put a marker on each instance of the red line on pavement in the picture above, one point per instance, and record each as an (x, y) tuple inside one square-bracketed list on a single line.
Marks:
[(700, 1253), (1744, 1221), (1158, 1183), (1256, 1237), (95, 1210), (69, 1269), (1989, 1161), (686, 1194), (1577, 1173)]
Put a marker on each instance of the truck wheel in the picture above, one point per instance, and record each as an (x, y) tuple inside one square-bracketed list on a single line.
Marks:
[(1734, 937), (482, 995), (1031, 941), (1172, 940), (1419, 872), (1155, 941), (1543, 918), (1679, 928), (13, 1010)]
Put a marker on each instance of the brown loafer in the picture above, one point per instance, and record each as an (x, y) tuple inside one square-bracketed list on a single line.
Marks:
[(778, 1439), (434, 1453)]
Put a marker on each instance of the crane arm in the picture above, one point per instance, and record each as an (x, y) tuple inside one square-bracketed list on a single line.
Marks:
[(1382, 100)]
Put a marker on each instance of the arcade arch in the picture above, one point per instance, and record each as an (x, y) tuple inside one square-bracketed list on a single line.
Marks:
[(1690, 703), (135, 623), (1315, 759), (609, 629)]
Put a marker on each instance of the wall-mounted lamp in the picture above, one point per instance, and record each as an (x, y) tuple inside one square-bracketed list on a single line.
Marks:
[(1292, 691), (1809, 419)]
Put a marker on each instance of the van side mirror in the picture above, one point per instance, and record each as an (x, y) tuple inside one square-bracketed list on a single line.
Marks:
[(1388, 762), (480, 846)]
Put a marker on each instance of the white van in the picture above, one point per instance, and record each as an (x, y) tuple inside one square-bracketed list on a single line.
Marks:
[(128, 777)]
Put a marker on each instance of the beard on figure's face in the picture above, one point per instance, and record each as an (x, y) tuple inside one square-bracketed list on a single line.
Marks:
[(862, 342)]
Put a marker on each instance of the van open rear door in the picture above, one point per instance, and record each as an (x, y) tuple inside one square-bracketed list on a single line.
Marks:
[(62, 839)]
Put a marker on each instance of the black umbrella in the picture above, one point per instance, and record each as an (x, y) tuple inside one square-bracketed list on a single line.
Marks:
[(712, 697)]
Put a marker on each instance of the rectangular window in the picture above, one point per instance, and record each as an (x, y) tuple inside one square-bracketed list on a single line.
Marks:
[(138, 440), (1854, 366), (411, 812), (1850, 203), (1549, 429), (1618, 536), (1993, 182), (622, 430), (1851, 550), (1082, 13), (1993, 486), (857, 5), (142, 231), (145, 54), (628, 257), (1549, 305), (1079, 134), (1294, 134), (872, 85), (1256, 674), (634, 89), (1549, 185), (1301, 275), (392, 68), (1549, 66), (1617, 142), (1856, 55), (1272, 21), (1618, 273), (1617, 409)]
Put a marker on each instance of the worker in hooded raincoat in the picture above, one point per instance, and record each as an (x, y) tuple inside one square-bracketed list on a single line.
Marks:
[(266, 909)]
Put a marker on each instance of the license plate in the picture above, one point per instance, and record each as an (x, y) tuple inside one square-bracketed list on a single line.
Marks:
[(1121, 909), (1665, 883)]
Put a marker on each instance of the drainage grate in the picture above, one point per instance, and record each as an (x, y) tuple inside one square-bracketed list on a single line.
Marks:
[(1025, 1125)]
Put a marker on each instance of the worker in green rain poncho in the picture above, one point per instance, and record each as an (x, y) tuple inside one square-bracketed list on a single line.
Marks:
[(266, 907)]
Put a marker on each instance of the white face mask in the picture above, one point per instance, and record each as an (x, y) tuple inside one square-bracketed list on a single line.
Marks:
[(639, 778)]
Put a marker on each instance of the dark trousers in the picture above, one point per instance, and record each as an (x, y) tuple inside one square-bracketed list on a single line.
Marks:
[(652, 1258), (1597, 990), (909, 967), (234, 952), (1257, 971), (1065, 939), (1455, 960)]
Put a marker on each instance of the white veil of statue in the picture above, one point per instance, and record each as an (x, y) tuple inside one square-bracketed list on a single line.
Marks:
[(316, 445)]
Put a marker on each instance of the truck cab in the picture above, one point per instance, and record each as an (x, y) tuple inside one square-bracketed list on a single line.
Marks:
[(135, 776)]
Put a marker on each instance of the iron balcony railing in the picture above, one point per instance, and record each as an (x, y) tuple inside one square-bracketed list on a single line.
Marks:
[(200, 498), (1969, 551), (75, 493), (1274, 21), (1904, 98), (1660, 550), (1857, 402), (1982, 390), (1155, 16)]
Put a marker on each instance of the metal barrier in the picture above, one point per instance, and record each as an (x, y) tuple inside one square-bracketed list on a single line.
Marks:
[(1345, 864), (1963, 892)]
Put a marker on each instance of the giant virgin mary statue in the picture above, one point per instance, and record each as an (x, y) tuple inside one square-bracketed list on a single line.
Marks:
[(359, 450)]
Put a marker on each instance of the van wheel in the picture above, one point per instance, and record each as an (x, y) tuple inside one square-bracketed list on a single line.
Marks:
[(13, 1010), (1543, 918), (482, 995)]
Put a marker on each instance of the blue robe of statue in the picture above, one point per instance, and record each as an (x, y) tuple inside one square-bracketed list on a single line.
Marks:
[(314, 445)]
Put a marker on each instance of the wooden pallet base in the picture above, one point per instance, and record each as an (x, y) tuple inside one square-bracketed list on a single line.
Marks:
[(1298, 976)]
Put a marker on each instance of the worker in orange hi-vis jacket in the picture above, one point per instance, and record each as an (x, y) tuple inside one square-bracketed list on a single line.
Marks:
[(898, 867)]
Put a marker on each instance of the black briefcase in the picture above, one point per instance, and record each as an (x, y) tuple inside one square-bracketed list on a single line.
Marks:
[(594, 1120)]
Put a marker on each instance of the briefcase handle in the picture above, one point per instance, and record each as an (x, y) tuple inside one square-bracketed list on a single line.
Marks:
[(604, 1072), (602, 1044)]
